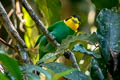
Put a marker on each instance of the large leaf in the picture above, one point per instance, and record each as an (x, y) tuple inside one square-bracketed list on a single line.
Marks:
[(32, 76), (30, 35), (98, 69), (11, 65), (80, 48), (92, 39), (31, 31), (59, 75), (109, 31), (30, 68), (59, 68), (28, 20), (51, 10), (100, 4)]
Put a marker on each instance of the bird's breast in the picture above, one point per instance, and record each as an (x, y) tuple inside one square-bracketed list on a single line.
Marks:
[(61, 32)]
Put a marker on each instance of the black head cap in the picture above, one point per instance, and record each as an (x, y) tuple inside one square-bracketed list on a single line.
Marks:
[(77, 17), (73, 16)]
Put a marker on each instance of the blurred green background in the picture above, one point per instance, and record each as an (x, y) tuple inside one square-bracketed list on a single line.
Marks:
[(49, 12)]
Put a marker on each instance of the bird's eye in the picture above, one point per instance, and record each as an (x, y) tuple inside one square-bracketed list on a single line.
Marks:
[(75, 20)]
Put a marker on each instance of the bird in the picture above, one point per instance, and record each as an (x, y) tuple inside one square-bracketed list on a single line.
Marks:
[(60, 30)]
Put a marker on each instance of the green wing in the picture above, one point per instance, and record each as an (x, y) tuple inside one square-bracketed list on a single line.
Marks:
[(41, 36), (50, 29), (54, 25)]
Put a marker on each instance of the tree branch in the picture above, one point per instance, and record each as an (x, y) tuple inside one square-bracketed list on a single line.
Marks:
[(69, 54), (2, 41), (14, 48), (12, 31), (9, 27), (14, 13), (39, 23)]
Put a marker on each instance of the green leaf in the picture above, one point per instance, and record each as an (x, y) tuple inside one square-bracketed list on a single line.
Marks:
[(93, 39), (58, 75), (32, 76), (108, 31), (60, 68), (77, 75), (100, 4), (3, 77), (98, 69), (51, 10), (47, 58), (30, 68), (28, 20), (80, 48), (11, 65)]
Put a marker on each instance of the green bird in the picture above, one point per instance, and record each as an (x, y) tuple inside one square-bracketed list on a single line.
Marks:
[(60, 30)]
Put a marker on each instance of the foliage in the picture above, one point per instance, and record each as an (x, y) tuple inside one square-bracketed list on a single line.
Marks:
[(51, 10), (11, 65), (80, 48), (63, 70), (98, 62), (108, 31), (28, 69), (101, 4), (98, 69), (2, 76)]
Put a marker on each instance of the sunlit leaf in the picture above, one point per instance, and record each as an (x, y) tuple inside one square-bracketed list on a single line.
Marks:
[(28, 20), (31, 32), (11, 65), (30, 35)]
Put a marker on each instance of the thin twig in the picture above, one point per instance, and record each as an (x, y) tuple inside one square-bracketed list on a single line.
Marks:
[(20, 16), (10, 12), (39, 23), (2, 41), (72, 57), (14, 48)]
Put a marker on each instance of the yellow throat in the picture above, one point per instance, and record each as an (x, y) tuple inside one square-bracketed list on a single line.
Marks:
[(72, 25)]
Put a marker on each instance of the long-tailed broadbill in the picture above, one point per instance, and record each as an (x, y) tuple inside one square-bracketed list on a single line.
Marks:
[(60, 30)]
